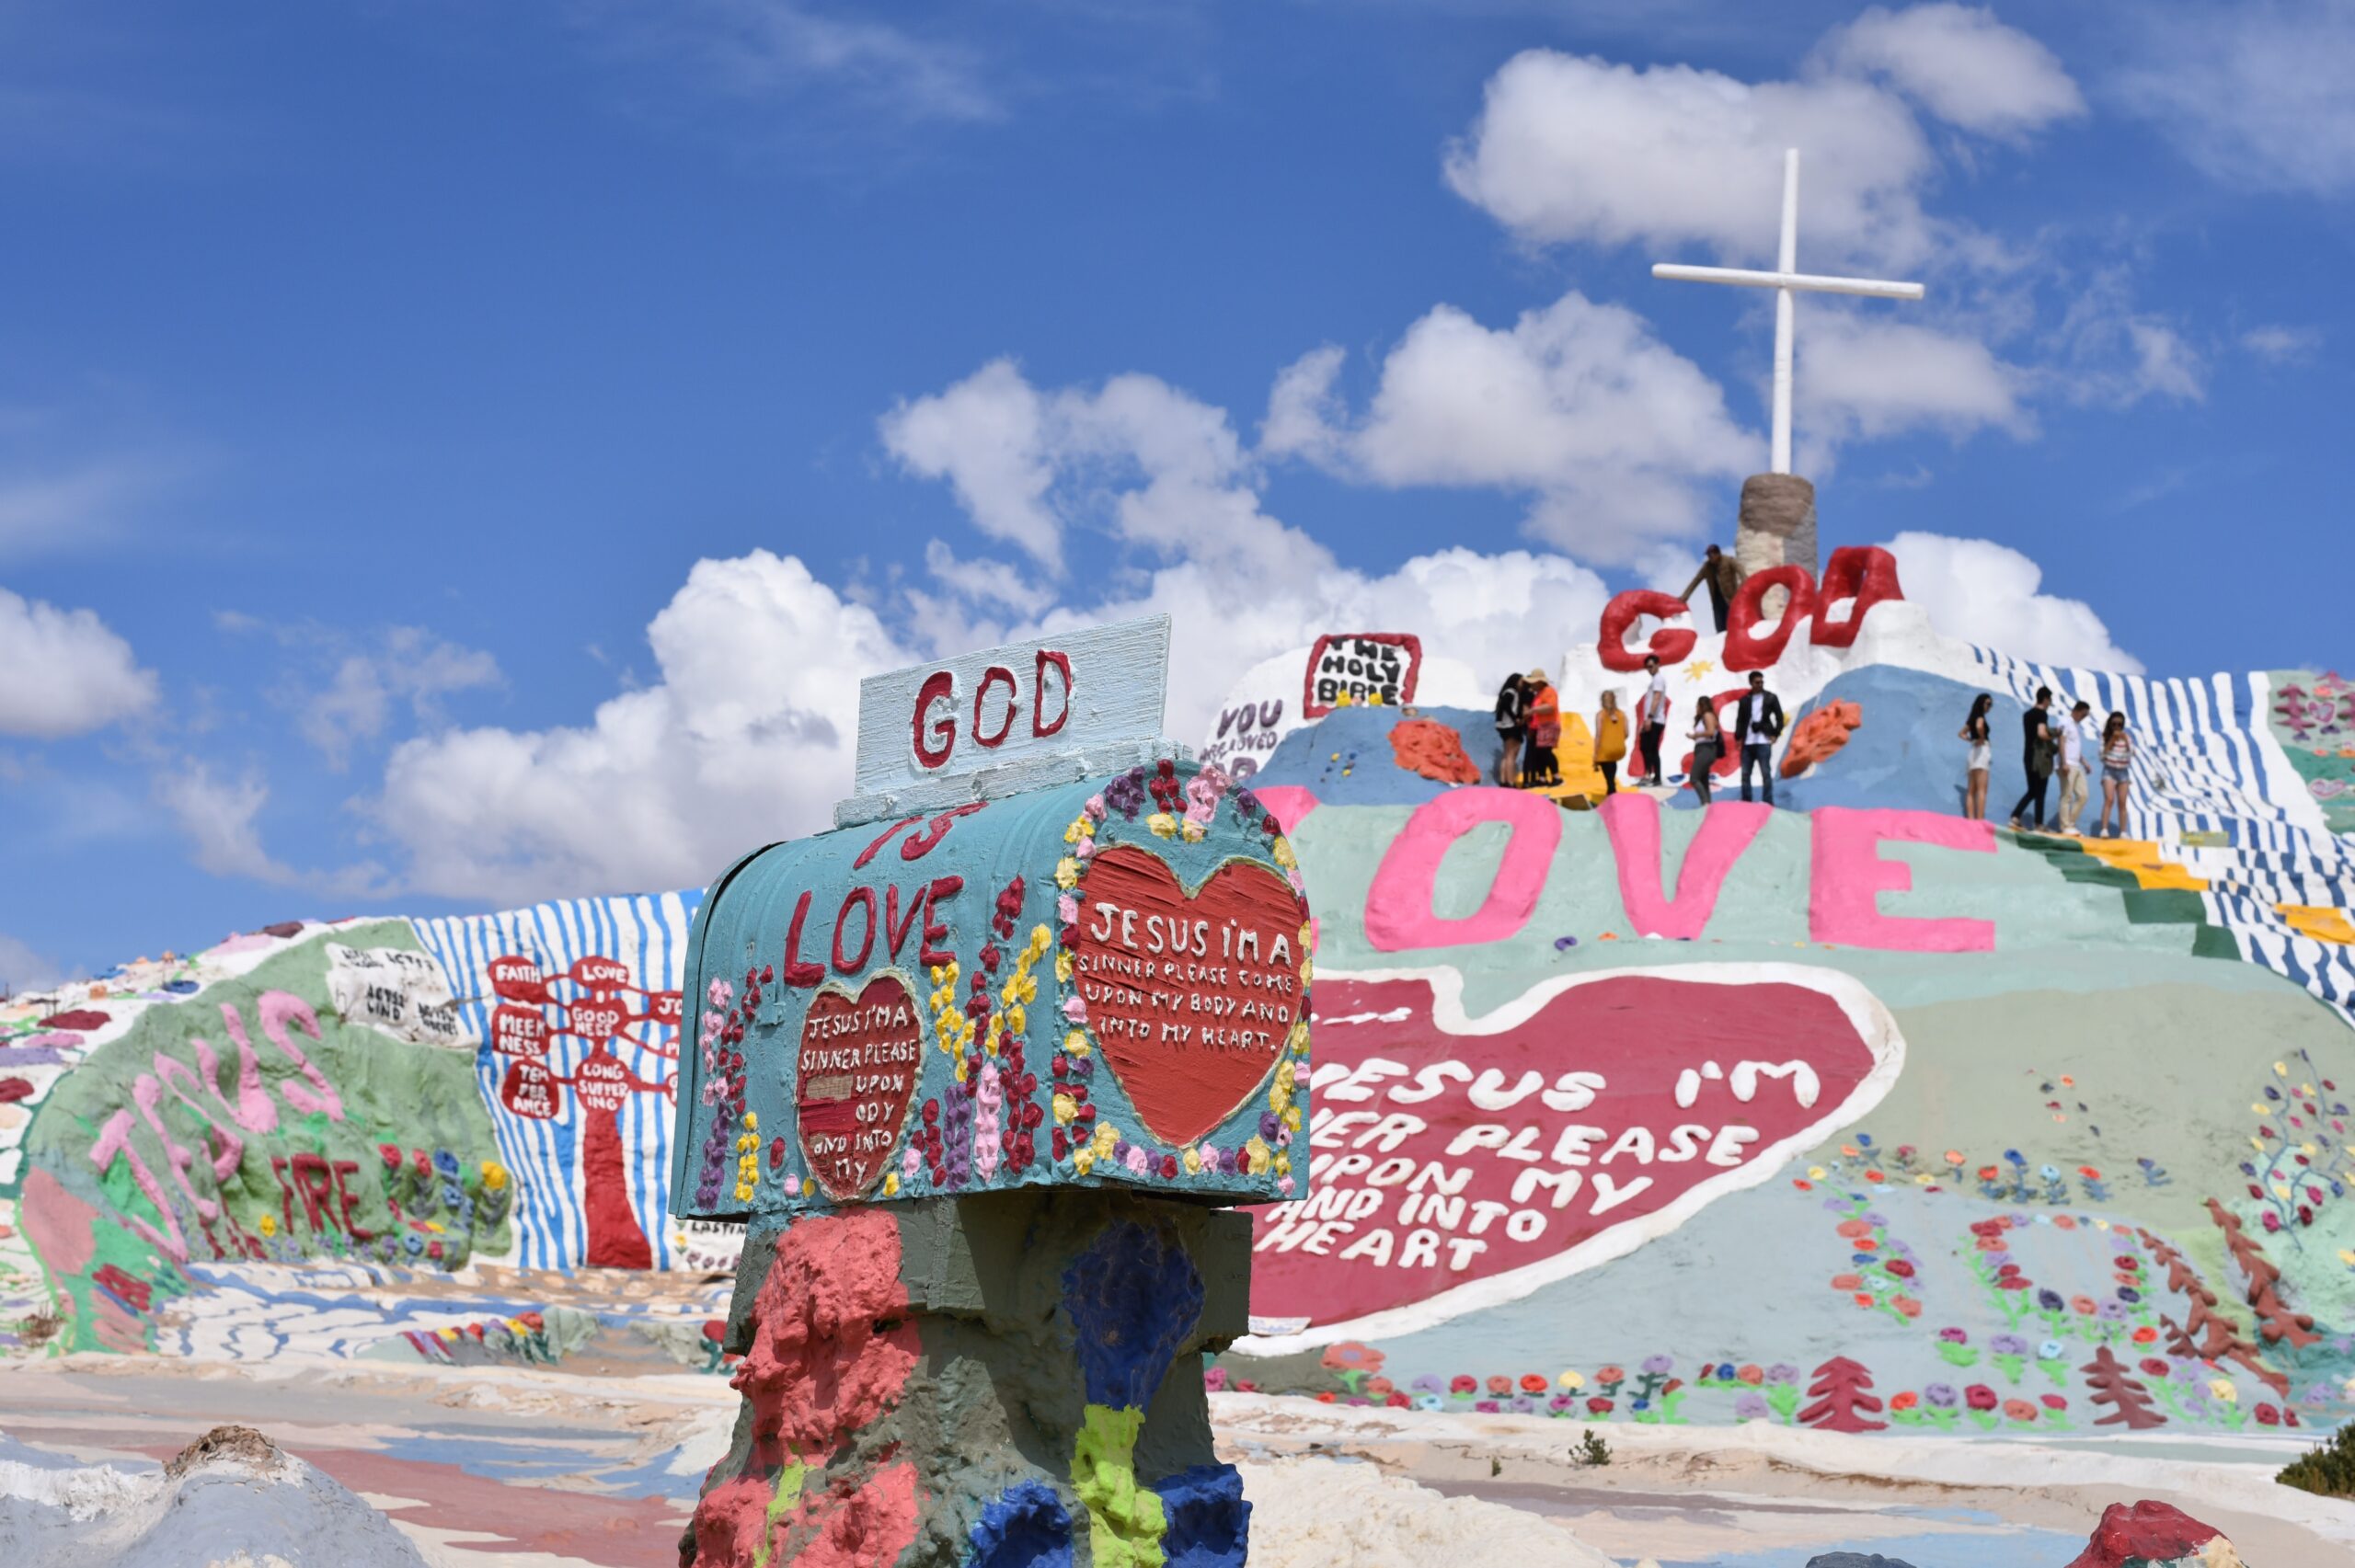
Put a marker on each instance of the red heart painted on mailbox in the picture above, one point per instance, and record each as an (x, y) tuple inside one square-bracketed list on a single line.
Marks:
[(1460, 1163), (1190, 995), (854, 1077)]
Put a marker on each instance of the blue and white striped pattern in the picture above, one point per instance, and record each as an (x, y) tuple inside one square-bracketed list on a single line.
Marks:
[(2200, 767), (646, 933)]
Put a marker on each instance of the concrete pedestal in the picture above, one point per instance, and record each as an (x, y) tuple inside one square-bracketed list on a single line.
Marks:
[(1013, 1379), (1776, 528)]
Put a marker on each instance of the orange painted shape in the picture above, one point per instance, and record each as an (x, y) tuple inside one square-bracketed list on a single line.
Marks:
[(2142, 857), (2319, 921)]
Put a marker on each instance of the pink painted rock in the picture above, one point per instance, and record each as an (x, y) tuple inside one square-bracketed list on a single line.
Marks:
[(2153, 1535)]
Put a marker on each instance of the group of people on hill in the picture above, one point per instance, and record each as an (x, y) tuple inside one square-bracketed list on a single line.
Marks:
[(2055, 742), (1529, 728)]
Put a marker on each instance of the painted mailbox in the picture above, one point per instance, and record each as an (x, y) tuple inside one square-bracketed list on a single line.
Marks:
[(1104, 983), (985, 1073)]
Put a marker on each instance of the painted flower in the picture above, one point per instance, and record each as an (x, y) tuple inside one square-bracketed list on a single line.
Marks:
[(1531, 1383), (1752, 1374), (1463, 1383), (1658, 1366), (2223, 1388), (2007, 1344), (2050, 1350), (2019, 1410), (1979, 1396), (1954, 1336), (2054, 1402), (1905, 1401), (1599, 1406), (1572, 1381), (1499, 1385), (1350, 1356), (1610, 1375), (1751, 1407), (1781, 1372), (1941, 1396)]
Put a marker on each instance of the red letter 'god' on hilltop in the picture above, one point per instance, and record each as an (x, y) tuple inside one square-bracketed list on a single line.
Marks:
[(1863, 574)]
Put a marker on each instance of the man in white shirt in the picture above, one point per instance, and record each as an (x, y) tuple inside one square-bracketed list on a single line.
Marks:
[(1652, 719), (2072, 758)]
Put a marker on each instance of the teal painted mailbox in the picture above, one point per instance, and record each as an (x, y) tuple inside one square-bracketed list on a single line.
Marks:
[(1101, 983)]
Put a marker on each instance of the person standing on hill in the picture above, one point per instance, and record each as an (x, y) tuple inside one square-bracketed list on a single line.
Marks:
[(2075, 762), (1652, 719), (1539, 767), (1708, 745), (1610, 741), (2089, 739), (2117, 760), (1724, 578), (2037, 753), (1512, 723), (1757, 722), (1980, 735)]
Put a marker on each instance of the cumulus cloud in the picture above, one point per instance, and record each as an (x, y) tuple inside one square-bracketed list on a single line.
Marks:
[(1979, 591), (746, 737), (410, 665), (1568, 148), (2254, 93), (1614, 434), (64, 671), (1871, 377), (748, 733), (984, 436), (1960, 65)]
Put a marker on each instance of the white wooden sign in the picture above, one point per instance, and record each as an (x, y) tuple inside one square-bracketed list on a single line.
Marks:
[(1007, 720)]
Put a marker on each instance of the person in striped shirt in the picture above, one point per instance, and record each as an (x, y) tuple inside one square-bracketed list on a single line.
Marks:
[(2117, 758)]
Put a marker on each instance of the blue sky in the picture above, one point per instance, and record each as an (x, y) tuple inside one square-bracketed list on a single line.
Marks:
[(451, 455)]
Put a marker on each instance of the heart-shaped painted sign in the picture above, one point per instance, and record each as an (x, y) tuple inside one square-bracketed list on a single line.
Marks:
[(1190, 995), (854, 1077), (1457, 1162)]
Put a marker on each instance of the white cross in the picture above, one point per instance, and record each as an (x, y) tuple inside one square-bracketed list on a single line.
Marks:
[(1784, 280)]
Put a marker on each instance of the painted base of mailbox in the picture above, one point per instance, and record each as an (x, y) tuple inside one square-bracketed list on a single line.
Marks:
[(986, 1382)]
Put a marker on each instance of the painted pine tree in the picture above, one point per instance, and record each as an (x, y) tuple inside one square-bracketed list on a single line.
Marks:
[(2114, 1384), (1841, 1391)]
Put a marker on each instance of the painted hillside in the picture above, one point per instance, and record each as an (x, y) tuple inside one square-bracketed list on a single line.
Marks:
[(1904, 1121)]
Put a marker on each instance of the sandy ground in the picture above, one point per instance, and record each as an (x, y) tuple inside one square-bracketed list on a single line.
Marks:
[(553, 1470)]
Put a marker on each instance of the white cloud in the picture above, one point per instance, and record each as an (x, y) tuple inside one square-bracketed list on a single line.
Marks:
[(22, 970), (76, 508), (2107, 352), (2254, 92), (2280, 345), (64, 672), (763, 50), (410, 665), (1613, 432), (1571, 149), (747, 737), (1868, 376), (1980, 591), (1960, 65), (984, 436), (219, 821)]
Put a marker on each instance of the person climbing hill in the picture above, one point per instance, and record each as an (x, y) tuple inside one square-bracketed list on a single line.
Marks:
[(1724, 578), (2117, 760), (1708, 745)]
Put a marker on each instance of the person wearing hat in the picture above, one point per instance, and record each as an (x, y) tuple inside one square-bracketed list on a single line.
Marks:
[(1539, 767)]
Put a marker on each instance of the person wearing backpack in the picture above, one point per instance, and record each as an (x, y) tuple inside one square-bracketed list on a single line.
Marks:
[(2039, 747)]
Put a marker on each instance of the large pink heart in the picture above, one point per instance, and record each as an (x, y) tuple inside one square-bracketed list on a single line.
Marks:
[(1458, 1163), (1190, 994)]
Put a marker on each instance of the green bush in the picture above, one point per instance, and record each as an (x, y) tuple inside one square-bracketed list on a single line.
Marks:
[(2329, 1469)]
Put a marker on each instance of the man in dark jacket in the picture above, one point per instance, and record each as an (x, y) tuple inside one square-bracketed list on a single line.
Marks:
[(1724, 578), (1757, 721)]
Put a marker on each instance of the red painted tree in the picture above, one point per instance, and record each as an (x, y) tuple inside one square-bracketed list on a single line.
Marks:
[(607, 1009), (1840, 1392), (2114, 1385)]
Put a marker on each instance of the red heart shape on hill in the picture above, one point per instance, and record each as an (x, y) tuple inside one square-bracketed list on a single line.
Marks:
[(853, 1079), (1458, 1163), (1192, 1015)]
